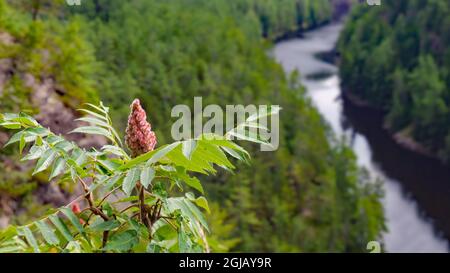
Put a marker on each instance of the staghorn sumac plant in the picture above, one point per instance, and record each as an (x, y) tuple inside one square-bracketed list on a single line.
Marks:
[(142, 201)]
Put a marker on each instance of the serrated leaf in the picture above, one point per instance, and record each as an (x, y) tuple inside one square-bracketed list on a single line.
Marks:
[(34, 153), (22, 143), (127, 199), (8, 233), (154, 155), (196, 212), (58, 168), (116, 135), (228, 144), (62, 228), (214, 154), (30, 238), (39, 141), (73, 173), (64, 146), (16, 137), (93, 114), (123, 241), (25, 121), (192, 182), (246, 135), (232, 152), (94, 121), (162, 152), (189, 147), (11, 249), (100, 109), (196, 164), (105, 225), (112, 181), (111, 166), (73, 219), (137, 160), (44, 161), (130, 180), (103, 120), (47, 233), (78, 157), (38, 131), (54, 140), (167, 168), (114, 150), (202, 202), (184, 243), (30, 135), (147, 175), (9, 116), (188, 209), (73, 247), (93, 130), (152, 248), (11, 125), (142, 231)]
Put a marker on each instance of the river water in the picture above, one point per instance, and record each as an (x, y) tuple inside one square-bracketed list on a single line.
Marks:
[(417, 189)]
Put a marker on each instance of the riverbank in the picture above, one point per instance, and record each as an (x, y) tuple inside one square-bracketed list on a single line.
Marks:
[(402, 138), (389, 59), (298, 32), (416, 203), (340, 9)]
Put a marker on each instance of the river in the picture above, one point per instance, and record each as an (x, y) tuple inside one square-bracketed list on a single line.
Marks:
[(417, 189)]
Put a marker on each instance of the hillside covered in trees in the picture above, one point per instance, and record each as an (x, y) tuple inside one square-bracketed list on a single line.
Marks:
[(309, 195), (396, 57)]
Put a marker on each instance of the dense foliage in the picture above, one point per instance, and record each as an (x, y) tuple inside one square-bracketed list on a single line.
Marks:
[(149, 184), (397, 58), (308, 195), (275, 17)]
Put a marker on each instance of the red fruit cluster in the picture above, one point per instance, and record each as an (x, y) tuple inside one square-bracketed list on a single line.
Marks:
[(76, 209), (139, 136)]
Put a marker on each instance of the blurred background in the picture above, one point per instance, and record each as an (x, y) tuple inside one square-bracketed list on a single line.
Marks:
[(365, 126)]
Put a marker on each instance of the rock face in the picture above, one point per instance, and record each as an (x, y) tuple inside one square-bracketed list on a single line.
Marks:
[(47, 97), (54, 114), (5, 64)]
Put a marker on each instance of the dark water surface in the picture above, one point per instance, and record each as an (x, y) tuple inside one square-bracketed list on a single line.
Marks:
[(417, 189)]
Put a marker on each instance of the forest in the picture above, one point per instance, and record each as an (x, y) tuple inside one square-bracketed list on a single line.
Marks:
[(308, 196), (396, 58)]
